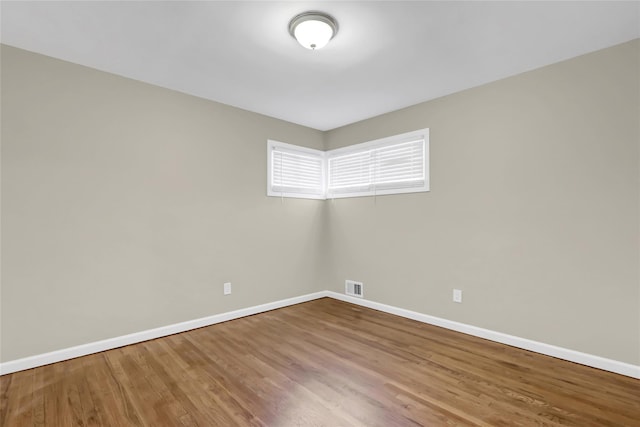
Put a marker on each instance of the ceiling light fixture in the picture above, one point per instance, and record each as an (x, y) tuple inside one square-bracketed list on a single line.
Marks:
[(313, 29)]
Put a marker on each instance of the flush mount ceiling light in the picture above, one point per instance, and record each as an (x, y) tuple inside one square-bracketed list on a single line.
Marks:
[(313, 29)]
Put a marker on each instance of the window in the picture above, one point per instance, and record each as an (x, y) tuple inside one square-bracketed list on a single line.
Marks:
[(397, 164), (295, 171)]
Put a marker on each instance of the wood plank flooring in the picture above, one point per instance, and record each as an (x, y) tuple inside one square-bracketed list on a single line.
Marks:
[(321, 363)]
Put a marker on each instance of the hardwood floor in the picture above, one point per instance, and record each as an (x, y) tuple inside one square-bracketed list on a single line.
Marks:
[(321, 363)]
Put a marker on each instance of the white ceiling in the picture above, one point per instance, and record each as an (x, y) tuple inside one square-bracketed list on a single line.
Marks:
[(386, 55)]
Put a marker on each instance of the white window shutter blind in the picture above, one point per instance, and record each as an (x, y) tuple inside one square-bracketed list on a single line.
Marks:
[(350, 172), (400, 164), (392, 165), (295, 171)]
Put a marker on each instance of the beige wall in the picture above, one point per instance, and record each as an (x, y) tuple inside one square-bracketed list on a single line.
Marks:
[(533, 210), (126, 206)]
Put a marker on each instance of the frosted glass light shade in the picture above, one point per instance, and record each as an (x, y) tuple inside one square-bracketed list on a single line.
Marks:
[(313, 30), (313, 34)]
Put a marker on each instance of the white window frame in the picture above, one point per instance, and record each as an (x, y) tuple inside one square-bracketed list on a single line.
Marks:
[(277, 146), (389, 188), (324, 192)]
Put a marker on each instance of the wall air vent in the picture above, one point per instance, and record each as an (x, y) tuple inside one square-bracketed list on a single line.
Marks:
[(353, 288)]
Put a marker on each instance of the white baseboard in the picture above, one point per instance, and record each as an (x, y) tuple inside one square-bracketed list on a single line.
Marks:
[(591, 360), (111, 343), (108, 344)]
